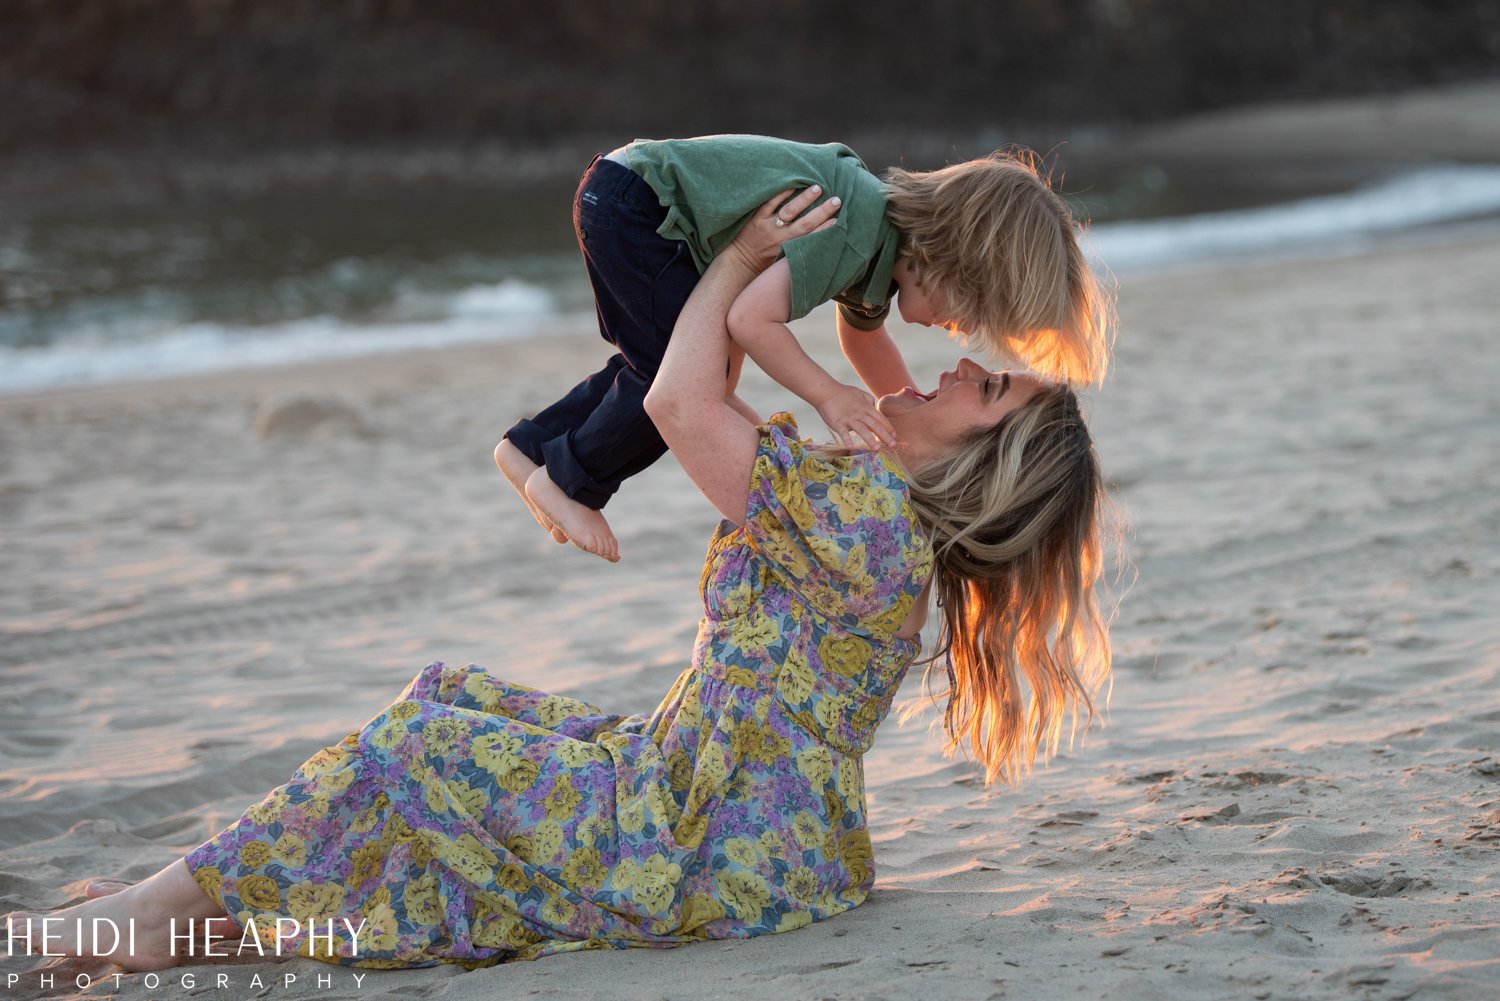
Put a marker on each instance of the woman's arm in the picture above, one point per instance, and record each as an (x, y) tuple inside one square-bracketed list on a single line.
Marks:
[(689, 399)]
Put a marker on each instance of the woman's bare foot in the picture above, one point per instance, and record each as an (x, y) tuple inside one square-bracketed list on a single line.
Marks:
[(96, 888), (517, 469), (99, 928), (584, 526), (89, 928)]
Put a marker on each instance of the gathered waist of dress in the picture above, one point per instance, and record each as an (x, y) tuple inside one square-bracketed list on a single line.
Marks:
[(715, 640), (839, 713)]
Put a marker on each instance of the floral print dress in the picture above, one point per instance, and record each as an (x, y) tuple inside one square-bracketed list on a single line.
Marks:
[(476, 821)]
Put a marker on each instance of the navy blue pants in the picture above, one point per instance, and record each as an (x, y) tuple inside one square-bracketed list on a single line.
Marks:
[(599, 434)]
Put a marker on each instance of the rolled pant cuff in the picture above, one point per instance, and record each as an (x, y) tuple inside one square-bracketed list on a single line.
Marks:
[(563, 469), (529, 437)]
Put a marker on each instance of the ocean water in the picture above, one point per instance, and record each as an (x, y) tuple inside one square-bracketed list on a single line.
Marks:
[(1341, 222), (98, 293)]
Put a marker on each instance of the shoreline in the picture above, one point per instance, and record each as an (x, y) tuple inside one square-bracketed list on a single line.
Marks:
[(572, 334)]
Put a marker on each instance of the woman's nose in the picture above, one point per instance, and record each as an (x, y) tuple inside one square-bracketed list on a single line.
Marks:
[(969, 370)]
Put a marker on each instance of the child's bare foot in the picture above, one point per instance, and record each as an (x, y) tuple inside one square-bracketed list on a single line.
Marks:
[(584, 526), (517, 469)]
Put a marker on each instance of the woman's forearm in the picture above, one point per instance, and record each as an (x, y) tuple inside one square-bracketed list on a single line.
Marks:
[(710, 432), (692, 373)]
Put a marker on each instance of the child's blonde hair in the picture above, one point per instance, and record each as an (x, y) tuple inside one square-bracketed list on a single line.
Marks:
[(999, 246)]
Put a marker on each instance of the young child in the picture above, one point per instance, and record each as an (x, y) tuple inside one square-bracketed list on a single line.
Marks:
[(983, 248)]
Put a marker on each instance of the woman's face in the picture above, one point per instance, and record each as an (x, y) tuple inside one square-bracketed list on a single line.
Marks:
[(930, 425)]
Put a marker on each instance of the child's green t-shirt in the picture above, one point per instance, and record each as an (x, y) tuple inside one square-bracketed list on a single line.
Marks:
[(711, 185)]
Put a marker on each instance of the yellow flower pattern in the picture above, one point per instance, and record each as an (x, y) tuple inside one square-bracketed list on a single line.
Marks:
[(289, 850), (584, 868), (255, 854), (260, 892), (309, 901), (423, 901), (476, 821)]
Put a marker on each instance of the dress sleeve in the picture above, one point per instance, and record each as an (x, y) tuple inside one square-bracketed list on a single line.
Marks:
[(838, 529)]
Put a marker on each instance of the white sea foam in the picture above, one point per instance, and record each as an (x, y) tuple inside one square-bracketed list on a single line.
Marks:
[(1328, 223), (497, 312)]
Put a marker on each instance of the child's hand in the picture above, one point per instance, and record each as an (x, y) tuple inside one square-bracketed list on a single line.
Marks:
[(778, 221), (851, 415)]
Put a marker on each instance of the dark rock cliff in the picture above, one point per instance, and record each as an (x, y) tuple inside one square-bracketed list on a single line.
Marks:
[(219, 74)]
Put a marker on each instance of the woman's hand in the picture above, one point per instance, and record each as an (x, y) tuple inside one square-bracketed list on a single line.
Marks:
[(779, 220)]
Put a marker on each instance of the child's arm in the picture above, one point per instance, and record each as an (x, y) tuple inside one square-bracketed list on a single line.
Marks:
[(758, 323), (875, 357)]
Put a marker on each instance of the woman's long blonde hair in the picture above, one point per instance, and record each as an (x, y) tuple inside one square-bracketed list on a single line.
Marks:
[(1014, 518)]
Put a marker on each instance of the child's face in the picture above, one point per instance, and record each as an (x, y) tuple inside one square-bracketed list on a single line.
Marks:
[(919, 303)]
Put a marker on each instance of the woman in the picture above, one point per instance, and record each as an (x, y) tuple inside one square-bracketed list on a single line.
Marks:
[(475, 821)]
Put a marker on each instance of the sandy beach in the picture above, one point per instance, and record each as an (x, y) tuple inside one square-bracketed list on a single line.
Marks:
[(1295, 792)]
